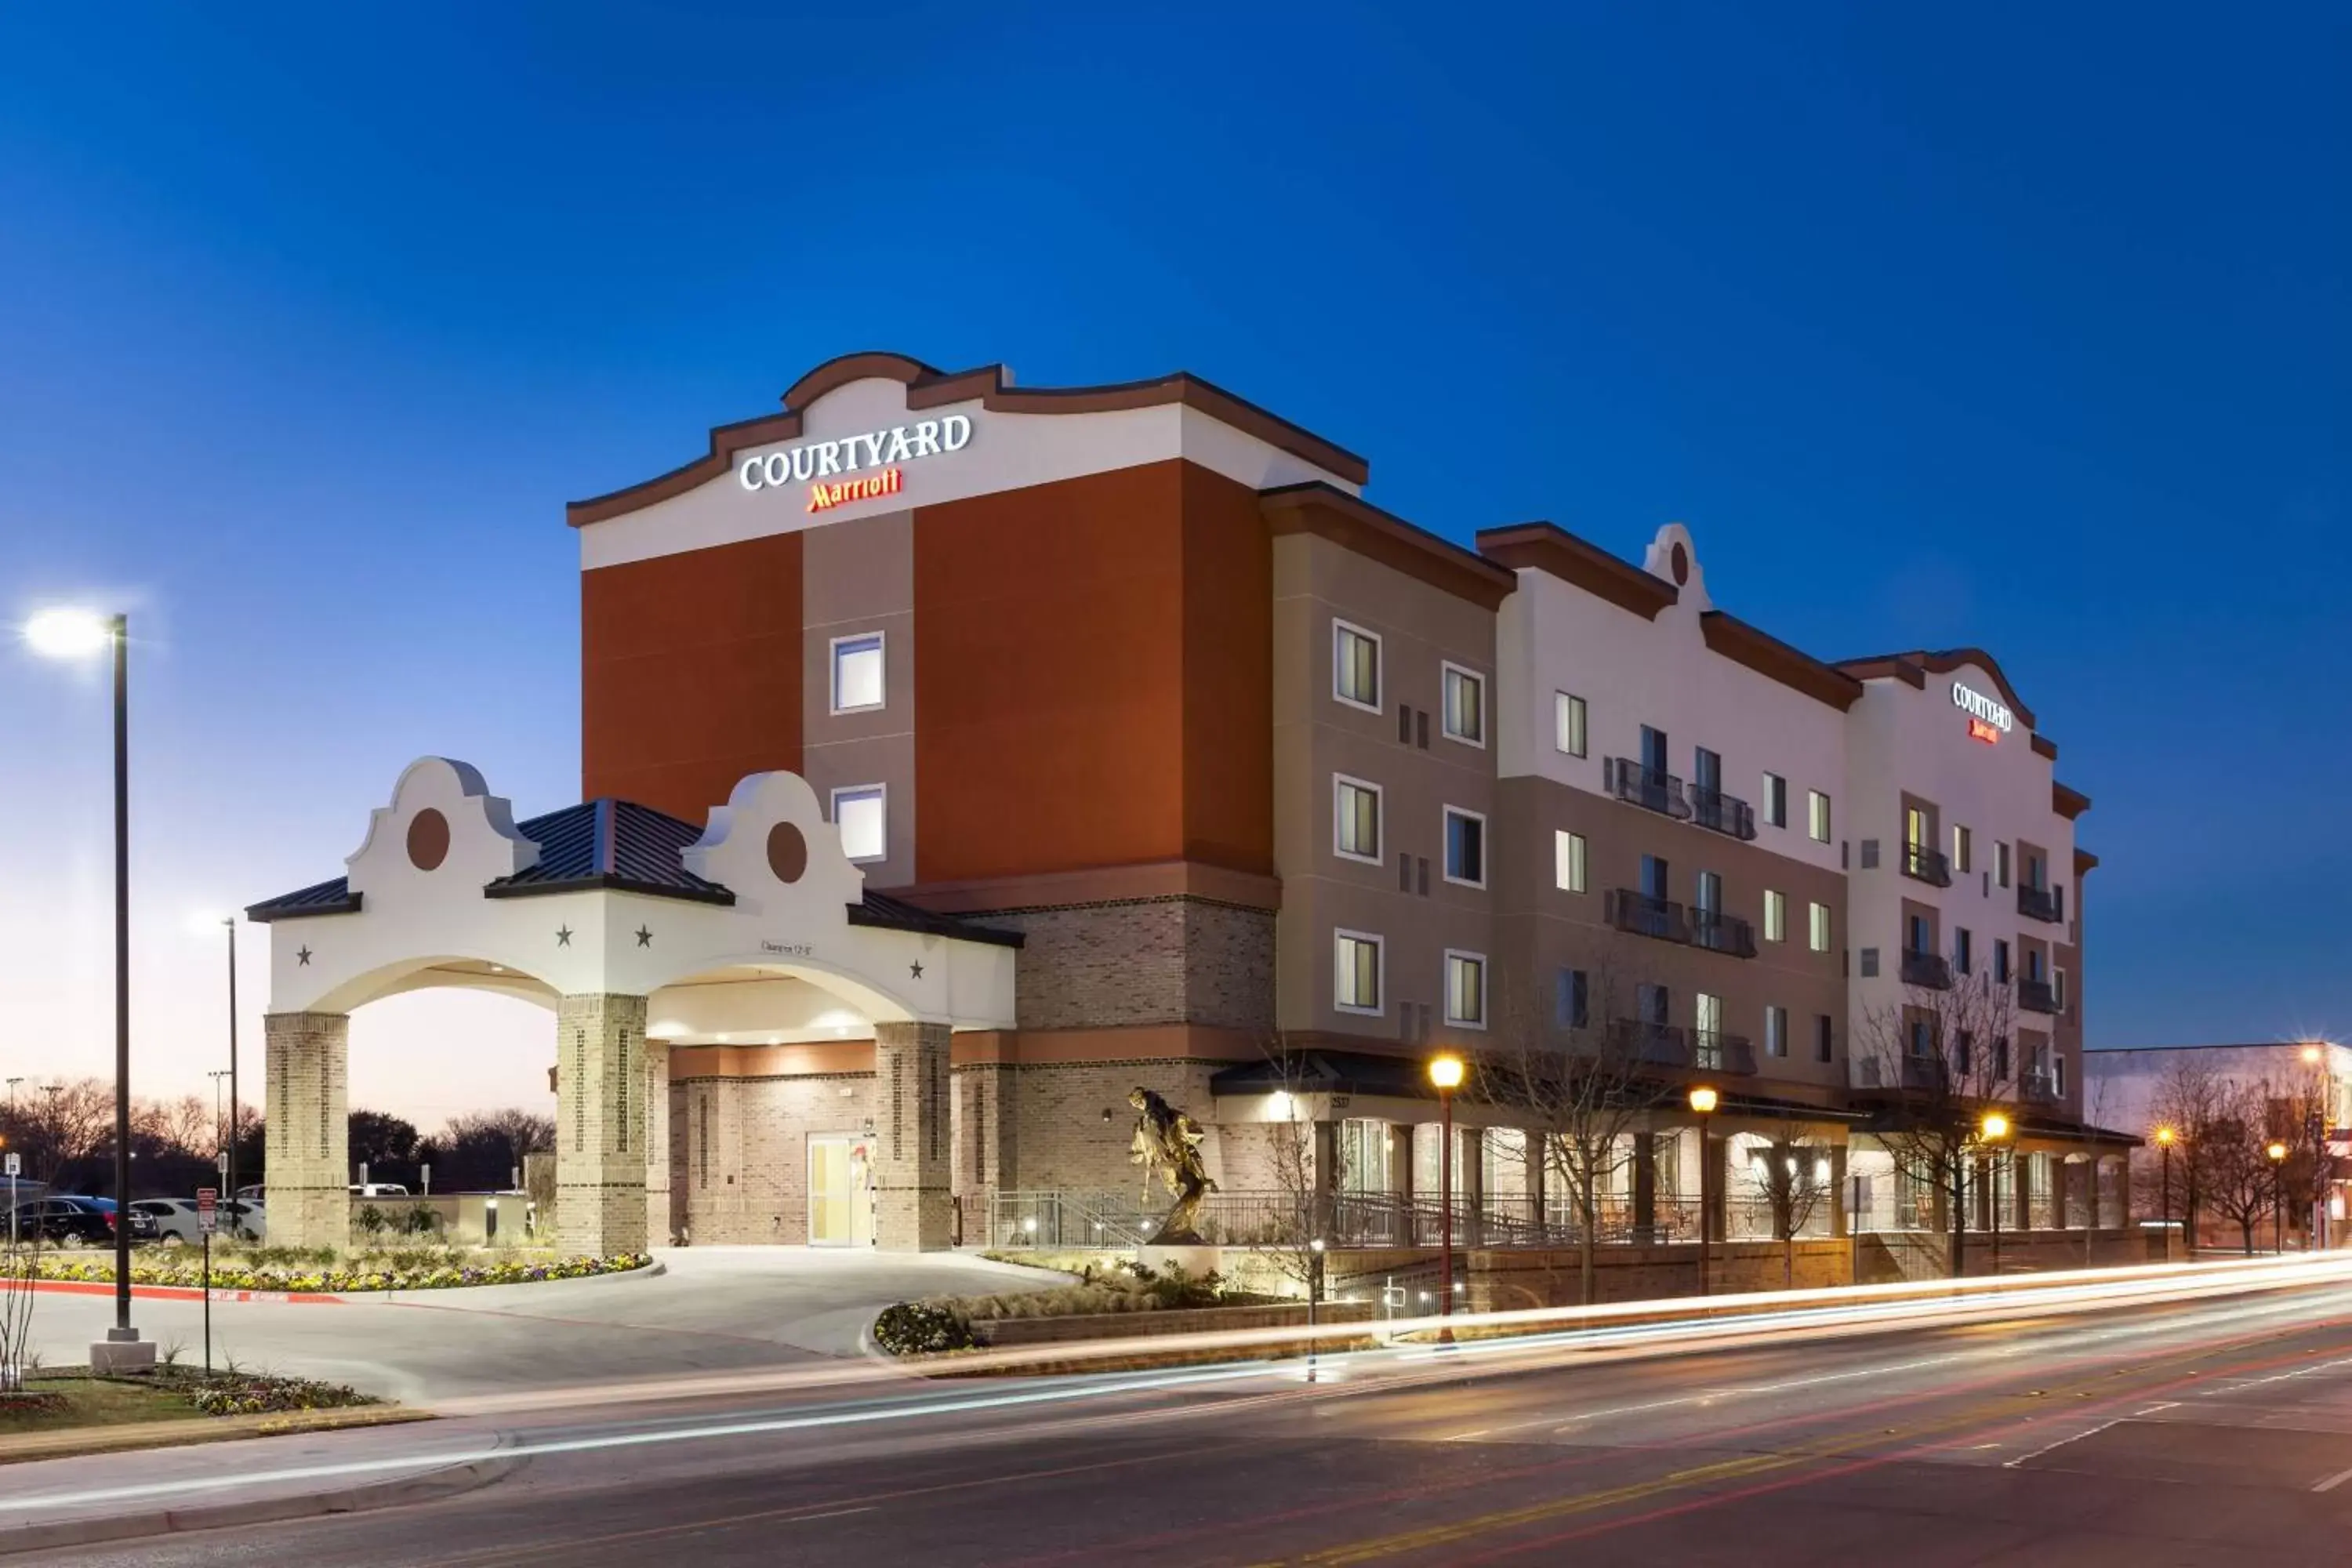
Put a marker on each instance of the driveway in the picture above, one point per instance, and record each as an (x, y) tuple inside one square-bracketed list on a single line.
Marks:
[(712, 1309)]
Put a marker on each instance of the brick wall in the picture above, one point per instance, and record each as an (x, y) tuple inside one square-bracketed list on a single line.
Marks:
[(739, 1150), (1157, 960)]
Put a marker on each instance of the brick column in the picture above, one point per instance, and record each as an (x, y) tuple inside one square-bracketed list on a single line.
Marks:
[(307, 1099), (912, 1203), (661, 1212), (1841, 1222), (1645, 1187), (601, 1124)]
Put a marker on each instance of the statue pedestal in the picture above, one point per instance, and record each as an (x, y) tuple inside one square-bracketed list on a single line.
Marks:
[(1195, 1260)]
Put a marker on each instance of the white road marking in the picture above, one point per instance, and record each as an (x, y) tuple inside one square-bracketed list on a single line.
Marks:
[(2064, 1441), (837, 1513)]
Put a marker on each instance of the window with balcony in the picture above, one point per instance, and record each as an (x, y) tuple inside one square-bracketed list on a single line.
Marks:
[(1465, 847), (1776, 916), (1465, 706), (2001, 961), (1355, 665), (1963, 952), (857, 673), (1356, 819), (1817, 815), (1355, 972), (1776, 800), (1568, 861), (1568, 723), (1465, 989)]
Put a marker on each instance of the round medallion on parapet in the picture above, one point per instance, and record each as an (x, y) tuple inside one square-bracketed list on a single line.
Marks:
[(787, 852), (428, 839)]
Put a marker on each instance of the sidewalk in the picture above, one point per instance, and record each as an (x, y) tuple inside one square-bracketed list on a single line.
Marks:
[(47, 1505)]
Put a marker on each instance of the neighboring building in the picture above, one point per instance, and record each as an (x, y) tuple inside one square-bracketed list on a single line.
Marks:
[(1134, 675), (2134, 1089)]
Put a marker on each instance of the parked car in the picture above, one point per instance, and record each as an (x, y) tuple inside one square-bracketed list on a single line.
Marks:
[(180, 1222), (378, 1190), (79, 1222)]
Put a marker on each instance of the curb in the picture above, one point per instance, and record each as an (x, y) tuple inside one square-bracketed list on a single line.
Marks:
[(189, 1292), (434, 1485)]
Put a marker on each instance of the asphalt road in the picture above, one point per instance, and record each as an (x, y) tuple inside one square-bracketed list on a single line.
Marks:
[(2206, 1432)]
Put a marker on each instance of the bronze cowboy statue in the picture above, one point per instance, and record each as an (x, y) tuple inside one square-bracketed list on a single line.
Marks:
[(1169, 1141)]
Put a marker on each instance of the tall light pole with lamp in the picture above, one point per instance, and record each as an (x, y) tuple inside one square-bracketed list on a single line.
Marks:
[(1990, 1131), (74, 634), (2277, 1154), (2315, 1057), (1445, 1073), (1703, 1100), (228, 923), (2165, 1138)]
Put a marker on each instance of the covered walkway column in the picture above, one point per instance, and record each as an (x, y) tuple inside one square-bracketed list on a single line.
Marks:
[(601, 1115), (308, 1128), (661, 1220), (913, 1204)]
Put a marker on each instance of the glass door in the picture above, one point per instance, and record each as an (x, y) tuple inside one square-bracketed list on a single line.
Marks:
[(840, 1190)]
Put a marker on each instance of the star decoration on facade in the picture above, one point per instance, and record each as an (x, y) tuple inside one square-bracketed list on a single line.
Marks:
[(644, 937), (915, 969), (302, 957), (563, 936)]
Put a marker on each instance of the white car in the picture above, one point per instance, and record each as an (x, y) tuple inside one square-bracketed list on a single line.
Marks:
[(378, 1190), (180, 1223)]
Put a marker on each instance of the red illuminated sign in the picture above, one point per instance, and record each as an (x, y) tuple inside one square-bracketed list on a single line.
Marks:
[(840, 493), (1980, 730)]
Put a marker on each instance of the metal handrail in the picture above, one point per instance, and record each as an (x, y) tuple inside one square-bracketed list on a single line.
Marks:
[(1643, 915), (1654, 1045), (1629, 781), (1712, 1051), (1924, 864), (2036, 996), (1720, 932), (1725, 813), (1930, 971), (2042, 904), (2039, 1087)]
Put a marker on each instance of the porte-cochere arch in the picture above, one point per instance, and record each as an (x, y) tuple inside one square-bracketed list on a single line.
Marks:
[(641, 931)]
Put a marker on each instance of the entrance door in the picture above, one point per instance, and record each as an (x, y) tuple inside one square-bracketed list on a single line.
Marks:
[(840, 1190)]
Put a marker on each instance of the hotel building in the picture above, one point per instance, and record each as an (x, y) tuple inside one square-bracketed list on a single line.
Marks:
[(1182, 765)]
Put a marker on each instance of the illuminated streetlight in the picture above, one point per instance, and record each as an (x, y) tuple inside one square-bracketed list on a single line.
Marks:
[(2165, 1138), (2277, 1154), (79, 634), (1703, 1100), (1992, 1130), (1445, 1073)]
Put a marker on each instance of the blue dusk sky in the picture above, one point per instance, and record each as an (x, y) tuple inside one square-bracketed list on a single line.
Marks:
[(2023, 326)]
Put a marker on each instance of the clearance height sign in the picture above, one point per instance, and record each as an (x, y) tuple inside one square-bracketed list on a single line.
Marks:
[(856, 467)]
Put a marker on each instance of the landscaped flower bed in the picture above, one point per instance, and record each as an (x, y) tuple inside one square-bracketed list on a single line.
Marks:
[(288, 1269)]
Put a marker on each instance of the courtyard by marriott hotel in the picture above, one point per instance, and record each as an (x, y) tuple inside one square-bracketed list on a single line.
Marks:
[(959, 757)]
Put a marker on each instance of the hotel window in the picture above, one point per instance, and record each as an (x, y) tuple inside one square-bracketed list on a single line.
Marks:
[(1824, 1041), (1567, 865), (1776, 801), (1355, 819), (1356, 973), (2058, 988), (1571, 1000), (1776, 1031), (857, 673), (858, 812), (1465, 847), (1568, 723), (1355, 666), (2000, 865), (1960, 847), (1776, 916), (1818, 927), (1465, 706), (1817, 815), (1999, 961), (1963, 951), (1465, 989), (1869, 964)]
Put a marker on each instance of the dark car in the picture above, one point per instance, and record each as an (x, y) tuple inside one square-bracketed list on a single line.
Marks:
[(76, 1222)]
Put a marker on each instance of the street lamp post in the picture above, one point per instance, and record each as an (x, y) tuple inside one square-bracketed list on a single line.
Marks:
[(2315, 1056), (70, 634), (1445, 1073), (1702, 1099), (1994, 1129), (2164, 1139), (1314, 1294), (228, 1169), (2277, 1152)]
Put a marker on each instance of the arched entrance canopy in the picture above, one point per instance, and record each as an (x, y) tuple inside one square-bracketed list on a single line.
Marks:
[(641, 930)]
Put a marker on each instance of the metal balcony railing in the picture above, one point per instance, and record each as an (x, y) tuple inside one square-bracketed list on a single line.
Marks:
[(1647, 788), (1922, 864), (1908, 1071), (2042, 904), (1711, 1050), (1725, 813), (1719, 932), (2039, 1088), (1643, 915), (2036, 996), (1929, 970), (1654, 1045)]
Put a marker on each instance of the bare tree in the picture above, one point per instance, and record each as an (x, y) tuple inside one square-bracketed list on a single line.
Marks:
[(1943, 1056), (2193, 1098), (1582, 1071), (1302, 1213), (1790, 1178), (57, 1123), (2239, 1176), (19, 1266)]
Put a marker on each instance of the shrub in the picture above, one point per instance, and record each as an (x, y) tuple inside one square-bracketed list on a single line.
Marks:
[(922, 1328), (298, 1268), (371, 1219)]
